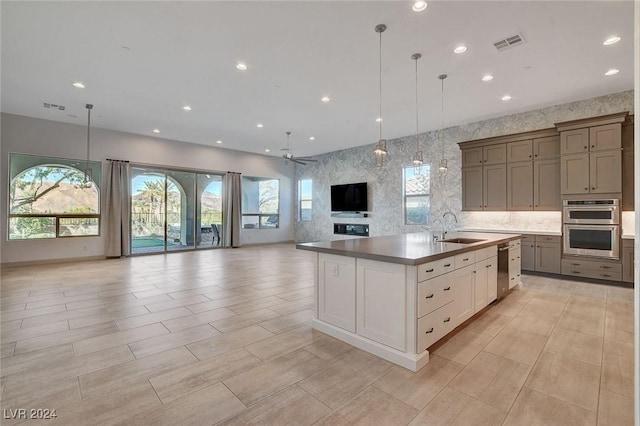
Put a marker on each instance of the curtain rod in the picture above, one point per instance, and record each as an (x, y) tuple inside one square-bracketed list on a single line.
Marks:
[(121, 161)]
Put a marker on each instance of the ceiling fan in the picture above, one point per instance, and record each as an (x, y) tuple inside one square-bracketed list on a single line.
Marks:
[(288, 156)]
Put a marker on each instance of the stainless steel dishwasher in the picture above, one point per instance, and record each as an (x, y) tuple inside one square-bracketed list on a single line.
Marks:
[(503, 269)]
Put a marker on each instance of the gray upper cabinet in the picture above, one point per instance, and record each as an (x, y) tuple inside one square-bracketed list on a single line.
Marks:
[(472, 188), (546, 191), (494, 187), (494, 154), (574, 176), (472, 157), (604, 172), (627, 166), (605, 137), (548, 147), (520, 185), (574, 141), (519, 151)]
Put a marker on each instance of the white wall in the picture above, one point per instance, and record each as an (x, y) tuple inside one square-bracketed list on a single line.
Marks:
[(27, 135)]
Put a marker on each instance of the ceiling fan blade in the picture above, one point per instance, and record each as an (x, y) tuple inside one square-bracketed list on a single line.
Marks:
[(307, 159), (295, 160)]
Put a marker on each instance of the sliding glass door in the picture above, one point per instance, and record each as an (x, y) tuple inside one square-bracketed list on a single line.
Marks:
[(174, 210)]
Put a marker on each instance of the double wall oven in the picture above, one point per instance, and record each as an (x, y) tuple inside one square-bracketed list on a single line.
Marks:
[(591, 228)]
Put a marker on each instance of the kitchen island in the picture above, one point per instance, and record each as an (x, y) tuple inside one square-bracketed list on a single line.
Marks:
[(395, 296)]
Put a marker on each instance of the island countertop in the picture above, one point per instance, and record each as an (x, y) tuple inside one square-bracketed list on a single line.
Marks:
[(407, 249)]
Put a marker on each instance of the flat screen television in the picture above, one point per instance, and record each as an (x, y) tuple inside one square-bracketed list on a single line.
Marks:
[(351, 197)]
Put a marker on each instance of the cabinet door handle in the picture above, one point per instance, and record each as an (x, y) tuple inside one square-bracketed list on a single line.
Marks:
[(585, 147), (605, 275), (429, 331), (429, 296), (593, 146), (529, 155), (605, 267), (488, 266), (575, 272), (466, 259), (536, 155), (593, 187), (429, 270), (447, 320), (447, 265), (586, 189), (575, 264), (447, 289)]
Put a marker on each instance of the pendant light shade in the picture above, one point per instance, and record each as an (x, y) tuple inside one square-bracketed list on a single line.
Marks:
[(380, 150), (443, 168), (418, 161)]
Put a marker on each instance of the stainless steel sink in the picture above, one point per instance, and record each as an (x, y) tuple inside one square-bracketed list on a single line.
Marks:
[(461, 240)]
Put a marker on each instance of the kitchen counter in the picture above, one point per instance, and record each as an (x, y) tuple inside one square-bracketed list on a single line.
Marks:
[(407, 249)]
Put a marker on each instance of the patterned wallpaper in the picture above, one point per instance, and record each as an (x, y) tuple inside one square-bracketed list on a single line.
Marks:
[(385, 184)]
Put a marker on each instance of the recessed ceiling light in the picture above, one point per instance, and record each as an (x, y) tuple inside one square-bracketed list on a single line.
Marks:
[(267, 150), (156, 131), (78, 84), (186, 108), (379, 119), (506, 98), (487, 77), (460, 49), (312, 138), (612, 71), (325, 99), (240, 66), (611, 40), (419, 6), (260, 125), (218, 141)]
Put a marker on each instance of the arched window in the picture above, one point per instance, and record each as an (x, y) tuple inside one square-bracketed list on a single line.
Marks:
[(51, 198)]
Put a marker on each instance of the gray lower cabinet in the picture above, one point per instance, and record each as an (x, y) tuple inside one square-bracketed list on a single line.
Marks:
[(548, 257), (600, 269), (528, 250), (627, 260)]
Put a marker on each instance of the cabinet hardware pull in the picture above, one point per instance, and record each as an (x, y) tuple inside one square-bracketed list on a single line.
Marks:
[(488, 266), (529, 156), (447, 320), (429, 270), (575, 272), (593, 146), (465, 259), (605, 267), (429, 331), (447, 265), (448, 288), (575, 264), (585, 147), (586, 189), (593, 187), (518, 257), (605, 275), (536, 155), (429, 296)]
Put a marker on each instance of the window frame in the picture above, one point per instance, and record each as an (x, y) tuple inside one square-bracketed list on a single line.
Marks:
[(33, 161), (262, 217), (406, 197), (301, 200)]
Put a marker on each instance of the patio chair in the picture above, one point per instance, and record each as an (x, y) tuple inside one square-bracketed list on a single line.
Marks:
[(216, 234)]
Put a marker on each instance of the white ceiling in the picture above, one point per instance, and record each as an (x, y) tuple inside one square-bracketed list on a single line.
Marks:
[(142, 62)]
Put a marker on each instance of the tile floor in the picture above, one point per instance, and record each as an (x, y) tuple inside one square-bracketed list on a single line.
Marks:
[(223, 336)]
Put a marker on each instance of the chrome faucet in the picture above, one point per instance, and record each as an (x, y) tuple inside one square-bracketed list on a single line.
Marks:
[(444, 216)]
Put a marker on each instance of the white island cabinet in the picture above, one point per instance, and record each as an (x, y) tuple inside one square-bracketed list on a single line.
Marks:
[(397, 307)]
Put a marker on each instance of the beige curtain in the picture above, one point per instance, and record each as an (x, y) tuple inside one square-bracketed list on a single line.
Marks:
[(118, 209), (232, 209)]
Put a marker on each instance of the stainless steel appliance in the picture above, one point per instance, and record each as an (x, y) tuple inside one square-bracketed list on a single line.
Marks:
[(591, 228), (591, 212), (503, 269)]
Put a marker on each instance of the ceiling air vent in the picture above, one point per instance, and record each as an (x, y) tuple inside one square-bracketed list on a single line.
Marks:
[(54, 106), (508, 42)]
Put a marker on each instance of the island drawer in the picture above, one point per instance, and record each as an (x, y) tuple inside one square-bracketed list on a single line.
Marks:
[(527, 238), (555, 239), (434, 326), (433, 269), (486, 253), (435, 293), (465, 259)]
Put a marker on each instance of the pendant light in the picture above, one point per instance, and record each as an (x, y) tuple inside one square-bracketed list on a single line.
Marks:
[(380, 151), (442, 168), (417, 157), (87, 171)]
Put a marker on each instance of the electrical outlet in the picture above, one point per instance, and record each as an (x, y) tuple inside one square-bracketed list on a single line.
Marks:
[(336, 270)]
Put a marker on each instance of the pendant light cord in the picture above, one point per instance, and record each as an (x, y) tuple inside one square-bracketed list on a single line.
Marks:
[(86, 170), (380, 73), (442, 116), (417, 138)]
